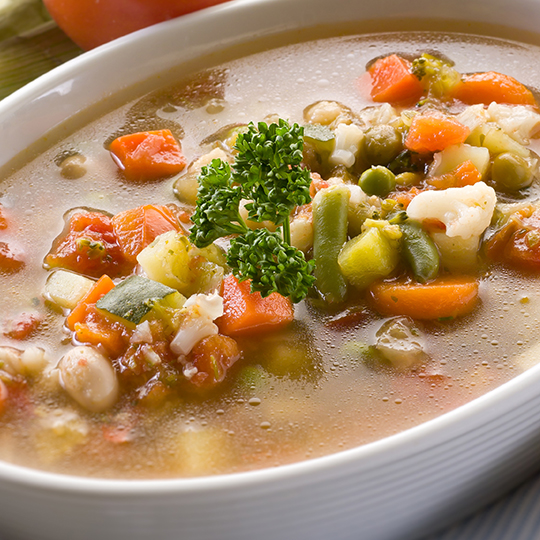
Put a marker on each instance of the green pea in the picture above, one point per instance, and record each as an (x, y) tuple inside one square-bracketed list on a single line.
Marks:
[(511, 172), (377, 181), (419, 251), (381, 144)]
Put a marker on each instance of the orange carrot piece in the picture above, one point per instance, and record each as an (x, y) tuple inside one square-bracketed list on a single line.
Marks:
[(92, 326), (11, 259), (433, 132), (492, 86), (246, 312), (465, 174), (404, 198), (393, 82), (148, 155), (439, 299), (137, 228)]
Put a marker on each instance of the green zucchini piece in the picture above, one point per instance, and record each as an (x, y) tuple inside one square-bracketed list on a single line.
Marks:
[(134, 298), (321, 137)]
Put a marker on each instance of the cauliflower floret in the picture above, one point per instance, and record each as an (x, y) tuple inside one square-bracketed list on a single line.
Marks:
[(200, 311), (324, 112), (518, 121), (348, 140), (373, 116), (465, 211)]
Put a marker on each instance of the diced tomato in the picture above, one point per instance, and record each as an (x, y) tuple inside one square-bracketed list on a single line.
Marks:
[(11, 260), (91, 325), (89, 247), (148, 155), (246, 312), (23, 326), (212, 356), (433, 132), (518, 242), (393, 82), (404, 198), (137, 228), (492, 86)]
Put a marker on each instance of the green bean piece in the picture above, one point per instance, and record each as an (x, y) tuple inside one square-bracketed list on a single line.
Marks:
[(382, 144), (330, 210), (378, 181), (419, 251), (511, 172)]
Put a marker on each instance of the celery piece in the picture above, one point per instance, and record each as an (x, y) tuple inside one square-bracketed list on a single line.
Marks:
[(368, 257), (134, 298)]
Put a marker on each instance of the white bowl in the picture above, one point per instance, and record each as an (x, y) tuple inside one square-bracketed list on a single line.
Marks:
[(397, 488)]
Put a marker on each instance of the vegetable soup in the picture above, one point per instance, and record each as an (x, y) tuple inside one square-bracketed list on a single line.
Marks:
[(288, 255)]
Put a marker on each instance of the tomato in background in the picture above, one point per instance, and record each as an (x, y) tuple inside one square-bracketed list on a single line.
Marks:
[(90, 23)]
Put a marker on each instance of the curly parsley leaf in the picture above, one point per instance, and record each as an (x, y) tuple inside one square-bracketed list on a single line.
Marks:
[(218, 202), (271, 264)]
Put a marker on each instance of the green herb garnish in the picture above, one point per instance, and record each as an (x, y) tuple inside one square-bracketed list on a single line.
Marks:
[(267, 173)]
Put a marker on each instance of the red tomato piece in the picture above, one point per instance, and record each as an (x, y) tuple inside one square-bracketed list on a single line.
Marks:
[(11, 260), (89, 247), (4, 394), (90, 23), (148, 155), (23, 326), (212, 357), (137, 228)]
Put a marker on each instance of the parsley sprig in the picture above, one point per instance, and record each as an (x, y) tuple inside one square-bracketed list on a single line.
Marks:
[(266, 172)]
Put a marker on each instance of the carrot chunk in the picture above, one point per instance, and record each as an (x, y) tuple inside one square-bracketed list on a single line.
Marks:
[(91, 326), (11, 260), (148, 155), (246, 312), (137, 228), (439, 299), (433, 132), (492, 86), (465, 174), (393, 82)]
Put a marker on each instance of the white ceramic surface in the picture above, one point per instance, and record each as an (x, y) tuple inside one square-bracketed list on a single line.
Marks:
[(398, 488)]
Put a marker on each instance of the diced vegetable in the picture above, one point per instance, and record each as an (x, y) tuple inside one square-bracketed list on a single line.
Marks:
[(348, 139), (496, 140), (465, 174), (378, 181), (458, 254), (440, 299), (209, 361), (511, 172), (93, 327), (4, 395), (172, 260), (246, 312), (392, 81), (138, 227), (89, 246), (437, 75), (382, 143), (11, 260), (23, 325), (521, 122), (148, 155), (419, 251), (326, 113), (330, 211), (433, 132), (368, 257), (320, 137), (400, 342), (133, 298), (492, 86), (66, 288), (453, 156)]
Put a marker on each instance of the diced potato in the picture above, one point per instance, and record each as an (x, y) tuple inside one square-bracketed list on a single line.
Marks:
[(453, 156), (367, 257), (66, 289), (172, 260), (457, 254), (347, 144)]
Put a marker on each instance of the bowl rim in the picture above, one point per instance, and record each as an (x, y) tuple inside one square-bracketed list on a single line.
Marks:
[(448, 425)]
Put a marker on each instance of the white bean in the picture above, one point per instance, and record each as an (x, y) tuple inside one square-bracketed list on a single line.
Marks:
[(88, 377)]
